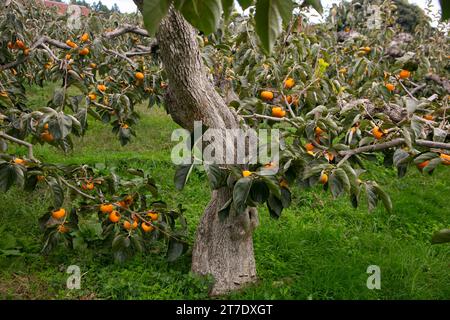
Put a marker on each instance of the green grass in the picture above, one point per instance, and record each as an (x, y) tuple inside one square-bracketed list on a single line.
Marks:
[(319, 249)]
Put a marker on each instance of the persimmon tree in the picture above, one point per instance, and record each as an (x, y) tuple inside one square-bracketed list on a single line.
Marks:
[(340, 95)]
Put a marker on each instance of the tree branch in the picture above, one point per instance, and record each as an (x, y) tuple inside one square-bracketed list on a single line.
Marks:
[(393, 143), (38, 43), (439, 80), (20, 142), (77, 190), (374, 147), (261, 116), (123, 56), (126, 29)]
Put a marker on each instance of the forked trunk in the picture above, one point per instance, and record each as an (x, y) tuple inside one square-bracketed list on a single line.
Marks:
[(223, 249)]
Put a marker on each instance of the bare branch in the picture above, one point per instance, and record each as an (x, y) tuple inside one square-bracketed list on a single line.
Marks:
[(38, 43), (50, 52), (123, 56), (374, 147), (20, 142), (126, 29), (406, 90), (391, 144), (261, 116), (433, 144)]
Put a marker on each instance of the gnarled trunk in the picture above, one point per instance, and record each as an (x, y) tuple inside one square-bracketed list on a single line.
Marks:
[(223, 249)]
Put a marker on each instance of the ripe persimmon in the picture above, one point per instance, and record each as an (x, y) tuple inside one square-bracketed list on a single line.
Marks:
[(92, 96), (267, 95), (318, 131), (309, 147), (246, 173), (323, 178), (289, 83), (390, 87), (404, 74), (278, 112), (106, 208), (20, 44), (445, 158), (84, 37), (47, 136), (101, 88), (19, 161), (128, 225), (71, 44), (59, 214), (139, 76), (152, 215), (377, 133), (114, 216), (84, 52), (146, 227)]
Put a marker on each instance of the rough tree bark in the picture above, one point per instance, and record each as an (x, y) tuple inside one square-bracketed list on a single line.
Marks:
[(223, 249)]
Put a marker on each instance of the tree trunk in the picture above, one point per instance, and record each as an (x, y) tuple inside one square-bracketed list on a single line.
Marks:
[(223, 249)]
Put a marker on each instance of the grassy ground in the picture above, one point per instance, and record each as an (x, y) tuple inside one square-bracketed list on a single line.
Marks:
[(319, 249)]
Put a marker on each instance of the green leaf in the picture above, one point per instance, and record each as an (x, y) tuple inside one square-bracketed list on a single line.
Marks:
[(10, 174), (58, 97), (269, 16), (228, 6), (372, 196), (217, 177), (275, 206), (441, 236), (245, 3), (273, 185), (432, 165), (384, 197), (203, 14), (286, 197), (154, 11), (343, 178), (57, 190), (182, 175), (445, 7), (316, 4), (260, 191), (400, 157), (425, 156), (225, 210), (240, 194), (335, 184), (174, 250)]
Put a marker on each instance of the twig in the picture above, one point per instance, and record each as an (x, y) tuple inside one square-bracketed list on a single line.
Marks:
[(261, 116), (418, 88), (407, 91), (20, 142), (395, 143), (123, 56), (77, 190), (373, 147), (50, 52), (126, 29)]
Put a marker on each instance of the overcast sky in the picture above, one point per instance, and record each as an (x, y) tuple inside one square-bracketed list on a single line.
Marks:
[(128, 5)]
